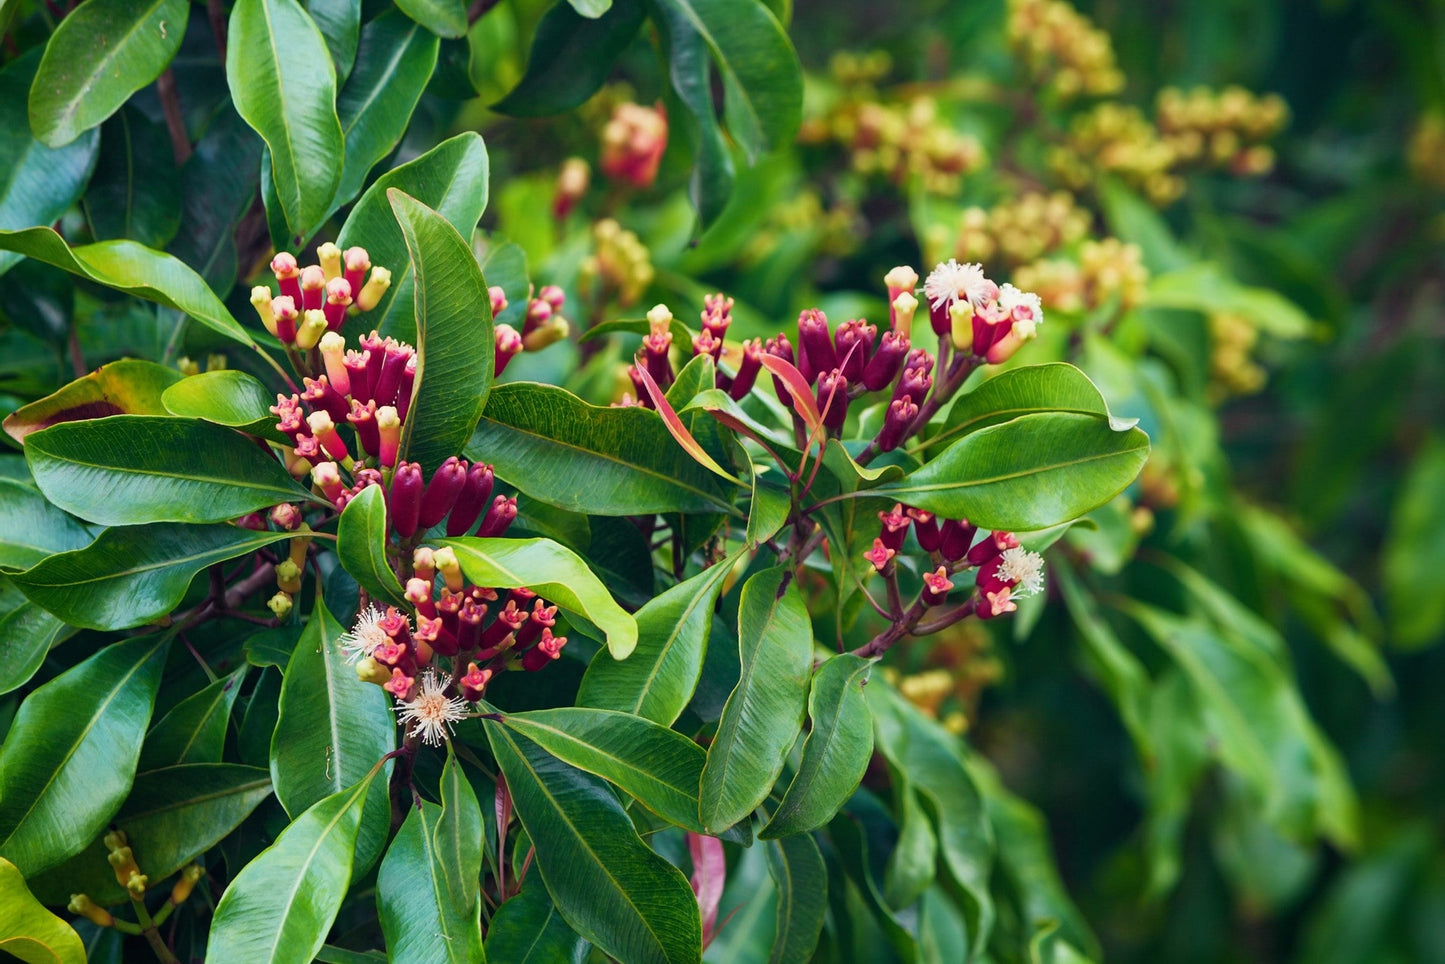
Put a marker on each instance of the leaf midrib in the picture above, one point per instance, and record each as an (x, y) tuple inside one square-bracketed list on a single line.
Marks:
[(672, 638), (902, 486), (167, 564), (67, 113)]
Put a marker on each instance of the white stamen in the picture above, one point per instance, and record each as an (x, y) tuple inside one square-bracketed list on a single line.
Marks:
[(1026, 568), (431, 713), (951, 281), (365, 636), (1022, 305)]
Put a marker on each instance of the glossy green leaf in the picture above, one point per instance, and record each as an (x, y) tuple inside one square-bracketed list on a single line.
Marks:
[(27, 633), (227, 397), (134, 192), (37, 183), (1030, 473), (454, 339), (658, 766), (32, 529), (451, 179), (659, 678), (527, 929), (835, 752), (126, 387), (218, 184), (591, 8), (553, 572), (281, 905), (69, 758), (28, 931), (285, 88), (913, 864), (133, 575), (764, 713), (608, 885), (361, 544), (1415, 549), (759, 68), (1208, 288), (690, 70), (156, 470), (543, 439), (98, 56), (195, 730), (1054, 387), (133, 269), (171, 817), (445, 18), (394, 60), (459, 838), (802, 880), (587, 45), (340, 24)]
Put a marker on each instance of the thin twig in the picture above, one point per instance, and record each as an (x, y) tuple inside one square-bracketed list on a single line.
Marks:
[(175, 120)]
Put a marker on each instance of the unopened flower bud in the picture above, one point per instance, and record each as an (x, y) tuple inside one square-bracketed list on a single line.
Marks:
[(548, 648), (538, 313), (284, 267), (441, 491), (554, 296), (313, 288), (936, 586), (894, 525), (333, 354), (509, 344), (288, 576), (498, 298), (914, 384), (313, 326), (832, 398), (994, 545), (925, 529), (854, 343), (325, 431), (955, 537), (122, 861), (471, 500), (884, 366), (899, 280), (474, 683), (85, 907), (900, 312), (573, 179), (896, 423), (498, 518), (286, 516), (284, 314), (393, 367), (1003, 349), (185, 883), (407, 388), (404, 501), (358, 263), (388, 429), (555, 330), (261, 301), (338, 299), (992, 604), (375, 287), (815, 345), (368, 670), (328, 256), (401, 686), (423, 563), (748, 369)]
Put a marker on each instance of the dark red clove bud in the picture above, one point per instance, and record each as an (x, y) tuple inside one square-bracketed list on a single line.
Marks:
[(405, 498)]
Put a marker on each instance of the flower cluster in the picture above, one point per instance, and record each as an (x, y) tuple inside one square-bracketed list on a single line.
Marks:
[(1021, 229), (620, 265), (1223, 129), (633, 142), (1062, 49), (899, 141), (1232, 369), (318, 298), (1106, 272)]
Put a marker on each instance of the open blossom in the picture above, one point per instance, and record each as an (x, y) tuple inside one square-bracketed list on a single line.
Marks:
[(365, 636), (950, 282), (431, 712), (1018, 565), (1020, 305)]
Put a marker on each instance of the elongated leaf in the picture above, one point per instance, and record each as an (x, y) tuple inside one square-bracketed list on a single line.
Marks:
[(70, 756), (459, 838), (132, 575), (227, 397), (542, 439), (690, 71), (30, 932), (280, 907), (802, 880), (1416, 548), (588, 45), (126, 387), (133, 269), (134, 191), (37, 184), (674, 425), (394, 60), (340, 24), (659, 678), (285, 88), (99, 55), (361, 544), (156, 470), (609, 886), (1055, 387), (31, 528), (27, 633), (1030, 473), (835, 752), (658, 766), (527, 929), (445, 18), (218, 183), (763, 714), (454, 340), (171, 817), (195, 731), (553, 572)]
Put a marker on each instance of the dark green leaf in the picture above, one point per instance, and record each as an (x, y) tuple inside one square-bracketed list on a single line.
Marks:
[(134, 191), (445, 18), (195, 731), (802, 881), (32, 529), (340, 23), (591, 8), (764, 713), (689, 68), (361, 544), (588, 46), (528, 930), (218, 185), (1414, 552), (227, 397), (1055, 387), (27, 632)]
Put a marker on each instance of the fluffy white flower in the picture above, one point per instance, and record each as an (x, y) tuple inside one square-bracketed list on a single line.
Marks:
[(1022, 305), (1026, 568), (365, 636), (430, 712), (951, 281)]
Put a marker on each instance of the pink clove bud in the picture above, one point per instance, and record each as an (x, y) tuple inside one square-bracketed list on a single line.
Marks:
[(404, 501)]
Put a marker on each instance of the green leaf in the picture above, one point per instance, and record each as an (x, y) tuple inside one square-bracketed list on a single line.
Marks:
[(913, 864), (340, 24), (1414, 552), (125, 387), (69, 758), (394, 61), (759, 68), (98, 56), (763, 714), (690, 71), (527, 929), (331, 731), (802, 880), (171, 817), (553, 572), (1205, 287), (133, 575), (658, 766), (156, 470), (454, 339), (1030, 473), (835, 752), (451, 179), (591, 8), (460, 838), (587, 45), (659, 678), (608, 885), (1054, 387), (195, 730), (134, 192), (218, 184), (543, 439), (133, 269), (27, 632), (361, 544), (28, 931), (445, 18), (32, 529), (227, 397), (282, 904), (285, 88), (37, 184)]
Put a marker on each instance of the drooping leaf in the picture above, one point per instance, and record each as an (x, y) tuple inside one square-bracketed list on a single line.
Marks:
[(764, 713), (32, 529), (28, 931), (690, 70), (527, 929), (132, 575), (69, 758), (195, 730), (608, 885), (285, 88), (134, 191), (227, 397), (799, 874), (445, 18), (659, 678), (588, 45), (98, 56), (281, 905), (835, 752), (126, 387), (27, 633), (361, 544)]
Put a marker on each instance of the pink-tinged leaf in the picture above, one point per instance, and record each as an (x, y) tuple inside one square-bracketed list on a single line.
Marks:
[(679, 431), (709, 874), (503, 807), (798, 387)]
